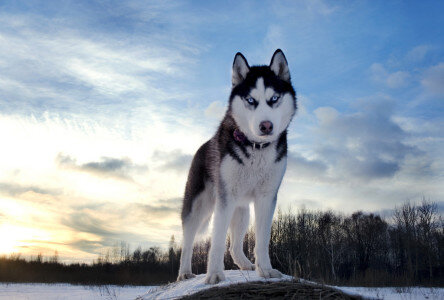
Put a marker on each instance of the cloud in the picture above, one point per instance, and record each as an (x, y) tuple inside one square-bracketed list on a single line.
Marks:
[(14, 189), (172, 160), (274, 38), (136, 223), (433, 80), (102, 232), (326, 115), (215, 110), (73, 66), (364, 145), (87, 221), (88, 246), (160, 210), (321, 7), (314, 8), (418, 53), (397, 79), (105, 167), (393, 80), (302, 168)]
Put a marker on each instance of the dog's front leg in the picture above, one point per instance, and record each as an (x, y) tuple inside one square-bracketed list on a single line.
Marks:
[(222, 216), (264, 209)]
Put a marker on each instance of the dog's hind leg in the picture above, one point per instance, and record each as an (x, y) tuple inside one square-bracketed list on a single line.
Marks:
[(200, 213), (190, 227), (238, 228)]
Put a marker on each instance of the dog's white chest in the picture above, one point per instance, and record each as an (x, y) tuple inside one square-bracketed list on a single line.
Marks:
[(259, 174)]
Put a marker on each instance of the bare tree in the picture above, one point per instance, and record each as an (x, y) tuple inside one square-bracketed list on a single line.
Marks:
[(427, 226)]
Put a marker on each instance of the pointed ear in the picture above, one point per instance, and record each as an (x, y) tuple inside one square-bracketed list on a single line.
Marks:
[(240, 69), (279, 65)]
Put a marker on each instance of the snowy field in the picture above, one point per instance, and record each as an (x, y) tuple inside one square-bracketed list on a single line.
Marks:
[(31, 291), (396, 293), (68, 291)]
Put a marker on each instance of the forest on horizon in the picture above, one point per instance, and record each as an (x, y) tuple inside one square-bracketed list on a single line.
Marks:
[(360, 249)]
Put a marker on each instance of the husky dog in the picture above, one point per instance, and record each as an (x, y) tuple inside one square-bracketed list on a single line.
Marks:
[(243, 162)]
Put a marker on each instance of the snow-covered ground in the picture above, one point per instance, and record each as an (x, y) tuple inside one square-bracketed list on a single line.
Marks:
[(194, 285), (37, 291), (22, 291), (396, 293)]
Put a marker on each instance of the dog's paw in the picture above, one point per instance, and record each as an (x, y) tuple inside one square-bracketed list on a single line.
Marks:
[(268, 273), (214, 277), (185, 276)]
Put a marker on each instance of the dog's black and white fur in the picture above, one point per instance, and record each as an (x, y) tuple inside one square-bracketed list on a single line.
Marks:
[(243, 162)]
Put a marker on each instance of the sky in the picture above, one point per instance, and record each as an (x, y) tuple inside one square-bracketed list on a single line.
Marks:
[(104, 103)]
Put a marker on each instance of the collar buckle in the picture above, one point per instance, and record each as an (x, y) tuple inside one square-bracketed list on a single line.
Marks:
[(240, 137)]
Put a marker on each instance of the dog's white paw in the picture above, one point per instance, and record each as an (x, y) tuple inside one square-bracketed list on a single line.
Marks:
[(214, 277), (185, 276), (268, 273)]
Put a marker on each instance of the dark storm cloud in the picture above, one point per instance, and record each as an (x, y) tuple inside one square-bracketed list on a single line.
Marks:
[(173, 160), (105, 167)]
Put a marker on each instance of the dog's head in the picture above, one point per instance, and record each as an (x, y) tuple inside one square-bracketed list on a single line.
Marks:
[(262, 100)]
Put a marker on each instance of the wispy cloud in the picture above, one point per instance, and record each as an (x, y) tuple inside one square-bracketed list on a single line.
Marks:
[(14, 189), (314, 8), (433, 80), (106, 166), (172, 160), (81, 69), (135, 223), (418, 53), (393, 80)]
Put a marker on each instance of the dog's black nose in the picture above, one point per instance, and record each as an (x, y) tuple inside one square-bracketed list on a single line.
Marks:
[(266, 127)]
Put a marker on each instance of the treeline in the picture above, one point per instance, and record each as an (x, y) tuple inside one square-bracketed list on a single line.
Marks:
[(364, 249), (361, 249), (117, 266)]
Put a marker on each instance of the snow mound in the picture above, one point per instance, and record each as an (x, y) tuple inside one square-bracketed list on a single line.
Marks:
[(197, 284)]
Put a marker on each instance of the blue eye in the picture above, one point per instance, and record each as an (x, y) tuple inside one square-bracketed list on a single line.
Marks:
[(250, 100), (274, 98)]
